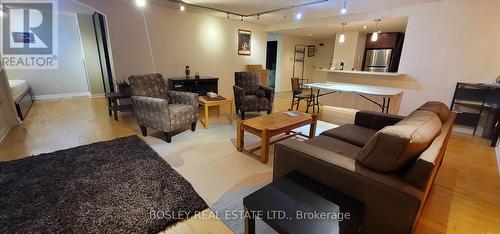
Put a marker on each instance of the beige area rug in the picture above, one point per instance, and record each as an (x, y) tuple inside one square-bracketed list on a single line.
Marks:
[(208, 158)]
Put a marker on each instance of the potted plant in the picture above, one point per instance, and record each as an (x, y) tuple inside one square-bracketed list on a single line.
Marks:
[(123, 87)]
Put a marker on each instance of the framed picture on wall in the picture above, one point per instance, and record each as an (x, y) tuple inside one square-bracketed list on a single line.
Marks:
[(244, 42), (311, 50)]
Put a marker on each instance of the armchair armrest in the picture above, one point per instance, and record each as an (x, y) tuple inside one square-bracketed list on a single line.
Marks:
[(376, 120), (239, 93), (391, 205), (186, 98), (269, 94), (152, 112)]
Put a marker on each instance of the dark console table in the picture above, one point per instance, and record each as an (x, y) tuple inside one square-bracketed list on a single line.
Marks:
[(472, 101), (201, 86), (297, 204)]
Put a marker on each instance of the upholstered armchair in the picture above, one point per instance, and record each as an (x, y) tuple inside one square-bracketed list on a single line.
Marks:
[(249, 95), (158, 108)]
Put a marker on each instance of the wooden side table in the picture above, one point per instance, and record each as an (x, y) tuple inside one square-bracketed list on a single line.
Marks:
[(208, 103), (272, 125), (114, 107)]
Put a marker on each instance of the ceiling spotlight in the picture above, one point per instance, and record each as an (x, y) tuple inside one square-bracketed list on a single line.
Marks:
[(227, 16), (344, 9), (298, 16), (182, 7), (140, 3), (242, 19), (286, 15), (364, 27), (309, 35), (258, 17)]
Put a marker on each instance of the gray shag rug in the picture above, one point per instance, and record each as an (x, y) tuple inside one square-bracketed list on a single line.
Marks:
[(118, 186)]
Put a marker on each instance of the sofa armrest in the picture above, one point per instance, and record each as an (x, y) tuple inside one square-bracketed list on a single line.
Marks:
[(391, 206), (185, 98), (152, 112), (376, 120)]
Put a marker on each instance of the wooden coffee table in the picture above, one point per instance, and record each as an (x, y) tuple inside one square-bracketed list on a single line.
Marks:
[(272, 125), (208, 103)]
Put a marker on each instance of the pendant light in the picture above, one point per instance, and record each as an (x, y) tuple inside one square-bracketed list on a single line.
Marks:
[(375, 34), (342, 35)]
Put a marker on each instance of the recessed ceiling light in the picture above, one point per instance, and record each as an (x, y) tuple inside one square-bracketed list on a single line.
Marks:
[(309, 35), (140, 3)]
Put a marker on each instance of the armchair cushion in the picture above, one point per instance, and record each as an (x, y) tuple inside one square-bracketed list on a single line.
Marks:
[(260, 93), (185, 98), (181, 114), (352, 134), (254, 103)]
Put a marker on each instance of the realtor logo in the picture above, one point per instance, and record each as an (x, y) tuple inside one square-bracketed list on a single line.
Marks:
[(29, 35)]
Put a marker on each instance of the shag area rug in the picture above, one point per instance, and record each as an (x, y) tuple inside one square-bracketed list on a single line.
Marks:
[(118, 186)]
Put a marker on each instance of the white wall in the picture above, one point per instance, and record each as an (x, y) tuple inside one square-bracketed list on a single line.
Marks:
[(70, 77), (207, 44)]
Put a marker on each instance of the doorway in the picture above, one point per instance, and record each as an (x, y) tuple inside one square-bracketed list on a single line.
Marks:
[(271, 58)]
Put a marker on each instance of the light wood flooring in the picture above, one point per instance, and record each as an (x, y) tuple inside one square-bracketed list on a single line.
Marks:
[(465, 197)]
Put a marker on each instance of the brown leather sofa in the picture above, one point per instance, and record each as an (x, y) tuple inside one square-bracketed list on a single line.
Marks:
[(387, 162)]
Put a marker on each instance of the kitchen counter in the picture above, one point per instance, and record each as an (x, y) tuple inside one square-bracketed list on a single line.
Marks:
[(365, 73)]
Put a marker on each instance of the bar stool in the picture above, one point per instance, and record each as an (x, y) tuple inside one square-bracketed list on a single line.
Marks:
[(298, 95)]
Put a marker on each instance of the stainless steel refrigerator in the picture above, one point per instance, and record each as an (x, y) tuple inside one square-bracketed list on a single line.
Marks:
[(378, 60)]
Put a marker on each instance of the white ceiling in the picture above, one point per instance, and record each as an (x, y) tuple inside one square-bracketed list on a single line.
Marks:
[(327, 9), (329, 31)]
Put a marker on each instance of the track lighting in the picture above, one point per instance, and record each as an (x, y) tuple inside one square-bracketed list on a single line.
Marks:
[(140, 3), (344, 9), (182, 7), (258, 17), (242, 19), (227, 16)]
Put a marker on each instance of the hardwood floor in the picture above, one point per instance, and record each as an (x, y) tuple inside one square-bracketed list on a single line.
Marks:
[(465, 197)]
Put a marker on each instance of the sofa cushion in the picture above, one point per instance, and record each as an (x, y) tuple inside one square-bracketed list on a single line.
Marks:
[(439, 108), (335, 145), (351, 133), (393, 147)]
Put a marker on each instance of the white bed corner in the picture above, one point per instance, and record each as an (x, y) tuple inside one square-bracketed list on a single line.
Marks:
[(22, 96)]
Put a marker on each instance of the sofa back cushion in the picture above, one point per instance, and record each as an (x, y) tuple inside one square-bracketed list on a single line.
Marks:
[(439, 108), (394, 147)]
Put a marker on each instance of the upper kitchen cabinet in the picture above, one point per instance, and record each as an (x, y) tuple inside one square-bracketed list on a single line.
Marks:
[(385, 41)]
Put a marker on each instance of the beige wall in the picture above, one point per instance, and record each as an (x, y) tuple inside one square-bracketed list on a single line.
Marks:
[(91, 54), (207, 44), (351, 51), (284, 66), (70, 77), (446, 42)]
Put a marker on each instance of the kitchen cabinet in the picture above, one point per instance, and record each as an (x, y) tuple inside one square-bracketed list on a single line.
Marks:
[(385, 41)]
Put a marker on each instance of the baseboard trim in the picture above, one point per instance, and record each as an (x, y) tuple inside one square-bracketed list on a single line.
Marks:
[(4, 132), (99, 95), (61, 96)]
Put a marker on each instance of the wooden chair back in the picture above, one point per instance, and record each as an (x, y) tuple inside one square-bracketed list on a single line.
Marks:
[(296, 86)]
